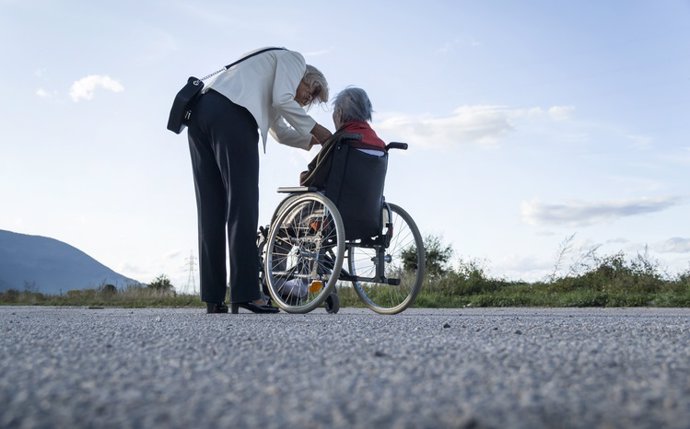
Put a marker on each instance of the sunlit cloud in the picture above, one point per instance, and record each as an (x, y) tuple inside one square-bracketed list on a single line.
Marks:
[(133, 270), (479, 124), (42, 93), (561, 113), (674, 245), (587, 213), (84, 88)]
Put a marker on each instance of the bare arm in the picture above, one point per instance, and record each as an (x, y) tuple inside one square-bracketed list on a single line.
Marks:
[(320, 133)]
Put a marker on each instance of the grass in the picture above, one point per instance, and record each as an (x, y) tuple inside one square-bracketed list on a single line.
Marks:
[(611, 281), (132, 296)]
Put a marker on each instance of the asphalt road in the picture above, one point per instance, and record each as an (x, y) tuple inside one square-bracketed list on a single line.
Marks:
[(466, 368)]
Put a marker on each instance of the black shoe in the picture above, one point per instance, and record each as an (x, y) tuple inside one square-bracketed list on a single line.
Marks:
[(213, 307), (254, 308)]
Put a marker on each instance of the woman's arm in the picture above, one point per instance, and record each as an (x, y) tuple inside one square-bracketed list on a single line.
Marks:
[(284, 134), (290, 68)]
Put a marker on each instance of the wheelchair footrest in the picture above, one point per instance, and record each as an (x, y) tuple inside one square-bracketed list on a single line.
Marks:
[(296, 189)]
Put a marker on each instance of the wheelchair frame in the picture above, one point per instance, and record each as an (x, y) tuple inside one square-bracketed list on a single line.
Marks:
[(306, 244)]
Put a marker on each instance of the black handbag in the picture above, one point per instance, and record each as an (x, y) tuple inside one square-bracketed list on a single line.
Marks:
[(181, 109), (186, 98)]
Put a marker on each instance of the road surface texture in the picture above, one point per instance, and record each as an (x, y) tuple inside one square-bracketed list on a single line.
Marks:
[(425, 368)]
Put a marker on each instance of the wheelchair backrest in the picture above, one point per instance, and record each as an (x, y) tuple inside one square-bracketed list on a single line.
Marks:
[(355, 185)]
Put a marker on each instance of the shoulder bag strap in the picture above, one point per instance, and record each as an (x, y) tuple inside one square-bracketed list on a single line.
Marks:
[(240, 60)]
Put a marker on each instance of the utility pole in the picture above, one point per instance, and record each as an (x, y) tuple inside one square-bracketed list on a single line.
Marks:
[(190, 264)]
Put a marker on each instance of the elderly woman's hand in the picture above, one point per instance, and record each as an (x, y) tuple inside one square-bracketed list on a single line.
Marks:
[(320, 133), (313, 142)]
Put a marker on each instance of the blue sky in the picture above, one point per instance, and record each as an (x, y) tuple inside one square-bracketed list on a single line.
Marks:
[(528, 122)]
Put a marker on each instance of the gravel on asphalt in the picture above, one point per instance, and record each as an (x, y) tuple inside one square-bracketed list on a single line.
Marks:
[(425, 368)]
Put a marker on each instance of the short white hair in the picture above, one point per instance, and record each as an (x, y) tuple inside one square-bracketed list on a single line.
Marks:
[(353, 104)]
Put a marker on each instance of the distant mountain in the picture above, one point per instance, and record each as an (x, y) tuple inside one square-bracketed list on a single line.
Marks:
[(50, 266)]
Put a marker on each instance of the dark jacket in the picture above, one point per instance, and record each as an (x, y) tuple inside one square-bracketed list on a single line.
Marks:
[(357, 134)]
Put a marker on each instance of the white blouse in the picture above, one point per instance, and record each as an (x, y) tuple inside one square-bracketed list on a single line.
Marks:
[(266, 85)]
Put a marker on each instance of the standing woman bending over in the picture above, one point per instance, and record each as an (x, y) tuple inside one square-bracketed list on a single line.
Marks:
[(267, 92)]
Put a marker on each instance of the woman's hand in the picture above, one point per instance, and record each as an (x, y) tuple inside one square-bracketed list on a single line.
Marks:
[(320, 133), (314, 142)]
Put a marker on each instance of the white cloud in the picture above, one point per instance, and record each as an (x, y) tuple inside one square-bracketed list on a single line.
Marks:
[(587, 213), (42, 93), (617, 241), (524, 267), (480, 124), (561, 113), (173, 254), (477, 124), (84, 88), (133, 270), (675, 245)]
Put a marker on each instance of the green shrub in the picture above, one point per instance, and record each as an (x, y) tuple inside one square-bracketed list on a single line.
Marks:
[(161, 283), (595, 282)]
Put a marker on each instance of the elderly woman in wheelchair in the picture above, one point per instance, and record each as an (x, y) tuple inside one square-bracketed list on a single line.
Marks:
[(337, 231)]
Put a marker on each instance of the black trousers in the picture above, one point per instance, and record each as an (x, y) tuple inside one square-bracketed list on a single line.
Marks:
[(223, 142)]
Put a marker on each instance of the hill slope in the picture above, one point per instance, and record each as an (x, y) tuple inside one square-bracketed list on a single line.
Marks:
[(50, 266)]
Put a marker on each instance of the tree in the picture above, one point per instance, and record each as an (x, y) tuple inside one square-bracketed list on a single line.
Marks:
[(438, 256), (161, 283)]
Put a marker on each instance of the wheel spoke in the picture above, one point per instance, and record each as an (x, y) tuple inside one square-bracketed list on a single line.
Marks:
[(299, 271), (405, 243)]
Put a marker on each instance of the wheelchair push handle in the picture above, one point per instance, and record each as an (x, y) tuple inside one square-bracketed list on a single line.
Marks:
[(396, 145)]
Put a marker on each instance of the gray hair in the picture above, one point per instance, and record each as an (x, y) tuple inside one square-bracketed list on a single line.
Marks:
[(353, 105), (317, 84)]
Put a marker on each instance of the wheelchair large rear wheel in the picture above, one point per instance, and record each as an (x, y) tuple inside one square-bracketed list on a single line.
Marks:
[(403, 264), (304, 253)]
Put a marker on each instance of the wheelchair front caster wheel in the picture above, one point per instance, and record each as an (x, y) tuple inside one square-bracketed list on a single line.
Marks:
[(332, 303)]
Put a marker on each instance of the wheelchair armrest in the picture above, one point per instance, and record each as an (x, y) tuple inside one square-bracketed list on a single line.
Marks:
[(396, 145), (296, 189)]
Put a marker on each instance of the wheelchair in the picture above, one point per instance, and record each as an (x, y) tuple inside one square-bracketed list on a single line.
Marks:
[(343, 235)]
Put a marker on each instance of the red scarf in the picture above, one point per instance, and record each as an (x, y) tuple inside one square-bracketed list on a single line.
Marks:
[(369, 138)]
